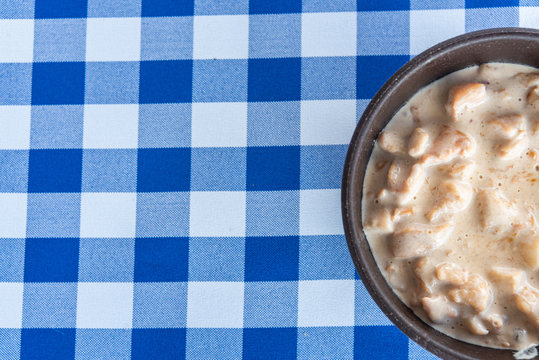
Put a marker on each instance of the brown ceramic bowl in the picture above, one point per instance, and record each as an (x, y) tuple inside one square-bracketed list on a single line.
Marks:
[(512, 45)]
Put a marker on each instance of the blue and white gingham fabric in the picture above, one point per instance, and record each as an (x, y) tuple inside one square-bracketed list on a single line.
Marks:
[(170, 172)]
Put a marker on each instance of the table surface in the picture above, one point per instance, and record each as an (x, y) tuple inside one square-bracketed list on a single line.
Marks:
[(170, 183)]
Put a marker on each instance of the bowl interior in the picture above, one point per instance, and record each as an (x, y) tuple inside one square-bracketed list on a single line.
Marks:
[(512, 45)]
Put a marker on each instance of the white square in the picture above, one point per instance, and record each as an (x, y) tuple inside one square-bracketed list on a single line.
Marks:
[(221, 37), (320, 212), (16, 41), (110, 126), (219, 124), (113, 39), (13, 215), (105, 305), (327, 122), (329, 34), (11, 305), (326, 303), (529, 17), (217, 213), (429, 27), (215, 304), (15, 125), (108, 215)]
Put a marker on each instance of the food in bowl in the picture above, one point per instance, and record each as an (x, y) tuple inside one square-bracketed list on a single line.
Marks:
[(450, 203)]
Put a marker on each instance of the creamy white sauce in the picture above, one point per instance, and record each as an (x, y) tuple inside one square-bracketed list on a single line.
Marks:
[(450, 201)]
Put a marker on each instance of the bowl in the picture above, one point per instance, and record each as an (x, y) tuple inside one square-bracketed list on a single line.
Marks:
[(514, 45)]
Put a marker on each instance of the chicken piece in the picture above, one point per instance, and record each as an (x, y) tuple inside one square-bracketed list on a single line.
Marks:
[(528, 79), (391, 142), (476, 326), (395, 175), (397, 277), (400, 212), (461, 169), (527, 301), (450, 144), (495, 212), (474, 293), (380, 220), (456, 196), (418, 142), (514, 147), (533, 95), (425, 281), (495, 321), (438, 309), (464, 97), (416, 239), (412, 184), (508, 125), (452, 273), (508, 276), (529, 249)]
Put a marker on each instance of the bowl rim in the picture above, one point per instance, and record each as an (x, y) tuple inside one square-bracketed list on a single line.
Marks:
[(419, 332)]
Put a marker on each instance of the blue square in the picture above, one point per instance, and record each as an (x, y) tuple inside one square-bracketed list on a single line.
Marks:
[(114, 8), (50, 305), (478, 19), (167, 7), (270, 304), (274, 79), (374, 71), (55, 170), (321, 166), (51, 260), (106, 260), (16, 84), (394, 40), (10, 346), (491, 3), (328, 6), (158, 344), (53, 215), (12, 261), (58, 83), (261, 344), (273, 168), (216, 169), (164, 125), (167, 38), (21, 9), (111, 170), (161, 259), (271, 258), (275, 36), (325, 257), (47, 344), (57, 127), (273, 123), (326, 343), (162, 214), (274, 6), (60, 40), (164, 170), (160, 305), (61, 9), (219, 7), (272, 213), (216, 259), (14, 174), (166, 81), (103, 344), (374, 5), (328, 78), (112, 82), (436, 4), (219, 80), (380, 342), (214, 343)]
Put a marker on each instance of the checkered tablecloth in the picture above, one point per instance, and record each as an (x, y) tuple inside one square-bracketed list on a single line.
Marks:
[(170, 172)]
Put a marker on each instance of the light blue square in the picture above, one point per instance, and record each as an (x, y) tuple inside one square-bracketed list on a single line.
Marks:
[(328, 6), (216, 259), (110, 170), (60, 40), (166, 38), (273, 123), (214, 344), (271, 304), (53, 215), (114, 8), (326, 343), (57, 127), (218, 169), (321, 166), (160, 305), (112, 82), (478, 19), (14, 174), (360, 109), (163, 214), (272, 213), (10, 346), (106, 260), (383, 33), (367, 312), (416, 352), (11, 261), (436, 4), (16, 82), (219, 80), (325, 257), (328, 78), (49, 305), (20, 9), (276, 35), (103, 344), (220, 7), (164, 125)]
